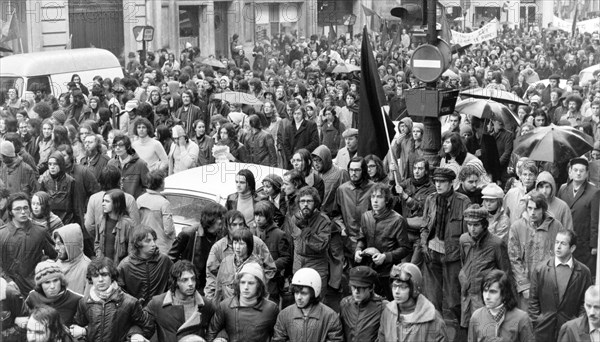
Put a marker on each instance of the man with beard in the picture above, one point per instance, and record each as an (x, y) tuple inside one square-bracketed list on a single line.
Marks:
[(469, 177), (68, 242), (189, 113), (514, 202), (22, 244), (352, 200), (15, 173), (94, 159), (310, 231), (182, 310), (321, 323), (573, 114), (143, 272)]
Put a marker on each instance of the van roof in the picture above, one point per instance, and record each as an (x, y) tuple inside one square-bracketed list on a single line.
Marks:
[(57, 62)]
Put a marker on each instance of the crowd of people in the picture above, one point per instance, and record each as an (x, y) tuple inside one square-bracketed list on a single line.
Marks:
[(486, 246)]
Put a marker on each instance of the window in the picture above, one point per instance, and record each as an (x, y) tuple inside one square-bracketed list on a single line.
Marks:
[(186, 209)]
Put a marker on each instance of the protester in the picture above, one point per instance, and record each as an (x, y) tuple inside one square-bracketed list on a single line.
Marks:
[(113, 233), (587, 326), (156, 211), (68, 243), (46, 325)]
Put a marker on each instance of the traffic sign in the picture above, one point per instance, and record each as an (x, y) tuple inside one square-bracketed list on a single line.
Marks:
[(143, 33), (427, 63)]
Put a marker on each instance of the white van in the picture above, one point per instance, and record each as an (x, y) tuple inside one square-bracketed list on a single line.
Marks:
[(54, 69)]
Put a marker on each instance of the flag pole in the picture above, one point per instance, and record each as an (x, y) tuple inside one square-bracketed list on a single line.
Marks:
[(387, 135), (19, 28)]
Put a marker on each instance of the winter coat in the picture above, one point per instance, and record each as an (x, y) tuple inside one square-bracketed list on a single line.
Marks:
[(331, 136), (156, 213), (360, 322), (190, 116), (504, 144), (293, 139), (205, 146), (424, 324), (85, 186), (61, 191), (488, 253), (261, 148), (333, 177), (311, 239), (279, 244), (96, 164), (529, 245), (193, 244), (342, 159), (584, 210), (351, 202), (224, 286), (169, 319), (75, 266), (115, 320), (21, 249), (133, 175), (144, 278), (546, 310), (499, 224), (94, 213), (514, 202), (321, 324), (123, 232), (11, 303), (514, 327), (413, 206), (575, 330), (66, 304), (556, 206), (19, 177), (455, 226), (389, 234), (244, 324)]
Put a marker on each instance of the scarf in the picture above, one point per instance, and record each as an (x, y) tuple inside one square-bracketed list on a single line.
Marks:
[(420, 182), (103, 295), (498, 317), (382, 214), (441, 213)]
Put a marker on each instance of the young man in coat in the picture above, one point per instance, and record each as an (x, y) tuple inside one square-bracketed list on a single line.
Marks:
[(557, 288), (587, 327), (180, 311)]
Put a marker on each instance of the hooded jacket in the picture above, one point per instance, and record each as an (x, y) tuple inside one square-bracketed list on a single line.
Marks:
[(559, 208), (529, 245), (423, 324), (75, 266), (60, 188), (332, 177), (144, 278)]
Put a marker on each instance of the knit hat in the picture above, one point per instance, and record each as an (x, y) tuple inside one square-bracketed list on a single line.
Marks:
[(475, 213), (275, 181), (7, 149), (178, 131), (59, 116), (420, 126), (492, 191), (47, 270), (254, 269)]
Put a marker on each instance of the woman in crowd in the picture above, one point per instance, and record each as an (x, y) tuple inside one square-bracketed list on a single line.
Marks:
[(60, 187), (164, 136), (244, 198), (455, 154), (228, 137), (45, 325), (113, 232), (46, 144), (302, 162), (41, 213)]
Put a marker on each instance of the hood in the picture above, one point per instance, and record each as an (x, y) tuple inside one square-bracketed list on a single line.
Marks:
[(409, 124), (424, 311), (115, 102), (324, 153), (60, 160), (73, 239), (545, 176)]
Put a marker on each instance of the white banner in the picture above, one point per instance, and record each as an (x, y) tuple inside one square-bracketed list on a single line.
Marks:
[(586, 26), (487, 32)]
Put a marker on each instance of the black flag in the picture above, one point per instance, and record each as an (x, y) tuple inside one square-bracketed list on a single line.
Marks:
[(371, 125)]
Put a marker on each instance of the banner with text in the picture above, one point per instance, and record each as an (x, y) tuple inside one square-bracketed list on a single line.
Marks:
[(586, 26), (485, 33)]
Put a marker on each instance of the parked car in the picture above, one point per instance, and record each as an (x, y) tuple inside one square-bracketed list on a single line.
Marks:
[(189, 191)]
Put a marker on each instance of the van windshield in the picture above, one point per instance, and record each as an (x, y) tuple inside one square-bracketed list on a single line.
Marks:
[(8, 82)]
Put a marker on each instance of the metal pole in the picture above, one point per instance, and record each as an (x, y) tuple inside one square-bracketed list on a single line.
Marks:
[(597, 255)]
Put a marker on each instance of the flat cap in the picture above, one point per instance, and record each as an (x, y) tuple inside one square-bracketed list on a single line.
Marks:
[(350, 132), (443, 173), (362, 276), (554, 77), (475, 213), (579, 160)]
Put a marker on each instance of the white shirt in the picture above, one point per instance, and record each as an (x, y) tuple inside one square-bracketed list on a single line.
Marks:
[(568, 263)]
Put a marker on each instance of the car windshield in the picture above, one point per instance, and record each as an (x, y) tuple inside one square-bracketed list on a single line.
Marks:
[(9, 82), (186, 209)]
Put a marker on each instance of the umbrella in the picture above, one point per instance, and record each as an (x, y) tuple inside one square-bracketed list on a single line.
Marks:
[(494, 94), (213, 62), (238, 97), (450, 74), (343, 68), (554, 144), (530, 75), (487, 109)]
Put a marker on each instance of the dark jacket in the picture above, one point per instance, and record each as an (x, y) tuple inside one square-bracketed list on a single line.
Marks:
[(261, 148), (123, 231), (205, 146), (575, 330), (307, 136), (321, 324), (62, 192), (545, 309), (244, 324), (504, 144), (96, 164), (65, 304), (86, 184), (144, 278), (389, 234), (19, 177), (584, 210), (193, 244), (168, 320), (188, 117), (20, 251), (133, 175), (115, 320), (279, 244), (360, 322)]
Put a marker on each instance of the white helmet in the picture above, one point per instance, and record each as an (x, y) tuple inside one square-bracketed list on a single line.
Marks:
[(308, 277)]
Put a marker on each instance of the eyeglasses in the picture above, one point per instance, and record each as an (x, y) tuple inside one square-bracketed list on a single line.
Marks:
[(21, 209), (306, 201)]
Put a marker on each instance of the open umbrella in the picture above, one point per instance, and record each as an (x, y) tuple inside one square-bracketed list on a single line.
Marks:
[(450, 74), (213, 62), (530, 75), (554, 144), (487, 109), (494, 94), (343, 68), (238, 97)]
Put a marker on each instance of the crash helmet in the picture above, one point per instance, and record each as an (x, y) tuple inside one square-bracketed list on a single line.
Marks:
[(308, 277), (410, 274)]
